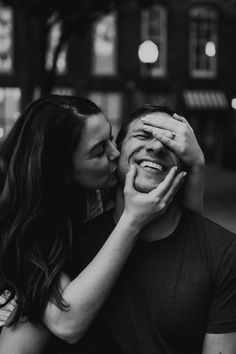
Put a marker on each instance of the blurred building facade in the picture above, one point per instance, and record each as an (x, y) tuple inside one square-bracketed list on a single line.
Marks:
[(180, 53)]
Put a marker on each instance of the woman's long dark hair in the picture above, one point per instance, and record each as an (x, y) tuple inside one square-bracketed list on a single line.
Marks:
[(35, 220)]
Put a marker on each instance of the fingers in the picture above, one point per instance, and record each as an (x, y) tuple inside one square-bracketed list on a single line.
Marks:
[(129, 180), (173, 123), (170, 187), (170, 142), (156, 132), (179, 118), (164, 186), (161, 122), (177, 183)]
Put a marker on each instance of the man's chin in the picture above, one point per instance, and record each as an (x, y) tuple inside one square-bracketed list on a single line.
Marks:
[(145, 187)]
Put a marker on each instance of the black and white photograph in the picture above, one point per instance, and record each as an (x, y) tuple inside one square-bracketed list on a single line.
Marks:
[(118, 177)]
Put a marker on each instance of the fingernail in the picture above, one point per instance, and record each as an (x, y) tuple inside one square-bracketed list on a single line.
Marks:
[(184, 174), (131, 167), (143, 119)]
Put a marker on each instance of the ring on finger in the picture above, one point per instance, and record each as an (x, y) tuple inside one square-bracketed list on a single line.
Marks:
[(172, 135)]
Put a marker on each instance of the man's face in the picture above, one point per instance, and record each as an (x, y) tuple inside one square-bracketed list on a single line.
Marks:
[(152, 159)]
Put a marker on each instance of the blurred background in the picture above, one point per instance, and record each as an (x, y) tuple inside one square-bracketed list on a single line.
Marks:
[(124, 53)]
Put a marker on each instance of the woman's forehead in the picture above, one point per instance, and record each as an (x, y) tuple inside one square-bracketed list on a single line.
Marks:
[(96, 129)]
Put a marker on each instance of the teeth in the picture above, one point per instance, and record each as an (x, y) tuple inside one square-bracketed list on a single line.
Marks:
[(154, 165)]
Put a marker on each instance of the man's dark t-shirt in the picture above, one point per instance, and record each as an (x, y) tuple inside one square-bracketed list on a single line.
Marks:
[(170, 292)]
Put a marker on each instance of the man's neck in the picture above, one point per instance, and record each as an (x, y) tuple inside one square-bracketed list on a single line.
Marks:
[(162, 226)]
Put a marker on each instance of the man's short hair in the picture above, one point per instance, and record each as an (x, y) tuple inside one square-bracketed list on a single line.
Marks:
[(137, 113)]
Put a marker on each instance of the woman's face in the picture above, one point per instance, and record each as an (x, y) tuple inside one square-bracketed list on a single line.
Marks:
[(95, 158)]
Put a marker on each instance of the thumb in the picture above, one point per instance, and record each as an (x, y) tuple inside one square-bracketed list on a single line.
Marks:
[(129, 181)]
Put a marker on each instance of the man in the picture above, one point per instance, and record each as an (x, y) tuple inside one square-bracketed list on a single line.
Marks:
[(177, 292)]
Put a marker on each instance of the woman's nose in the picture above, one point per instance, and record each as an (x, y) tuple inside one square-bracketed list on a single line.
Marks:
[(113, 152)]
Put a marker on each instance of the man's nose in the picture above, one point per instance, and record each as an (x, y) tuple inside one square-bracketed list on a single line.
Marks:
[(156, 147)]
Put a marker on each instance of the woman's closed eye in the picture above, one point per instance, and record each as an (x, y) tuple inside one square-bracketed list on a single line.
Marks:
[(101, 148), (99, 151)]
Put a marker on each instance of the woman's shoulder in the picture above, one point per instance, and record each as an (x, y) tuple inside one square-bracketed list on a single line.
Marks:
[(101, 222)]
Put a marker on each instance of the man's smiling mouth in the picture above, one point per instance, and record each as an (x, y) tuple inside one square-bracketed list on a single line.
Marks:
[(152, 165)]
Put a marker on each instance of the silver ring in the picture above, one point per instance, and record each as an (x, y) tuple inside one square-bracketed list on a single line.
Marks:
[(172, 135)]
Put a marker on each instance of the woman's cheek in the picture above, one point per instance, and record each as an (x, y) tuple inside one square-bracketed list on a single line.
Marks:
[(103, 170)]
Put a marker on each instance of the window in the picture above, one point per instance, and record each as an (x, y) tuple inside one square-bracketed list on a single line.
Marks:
[(203, 42), (9, 108), (53, 40), (6, 39), (163, 99), (111, 104), (56, 90), (104, 46), (154, 28), (67, 91)]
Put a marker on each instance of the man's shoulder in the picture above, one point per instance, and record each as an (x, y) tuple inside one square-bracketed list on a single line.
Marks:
[(207, 229)]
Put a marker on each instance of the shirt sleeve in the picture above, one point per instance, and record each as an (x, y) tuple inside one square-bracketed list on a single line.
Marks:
[(222, 314), (6, 310)]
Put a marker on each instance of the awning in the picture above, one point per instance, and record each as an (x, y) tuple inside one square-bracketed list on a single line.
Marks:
[(205, 99)]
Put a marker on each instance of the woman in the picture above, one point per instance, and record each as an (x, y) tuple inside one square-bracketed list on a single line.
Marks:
[(59, 148)]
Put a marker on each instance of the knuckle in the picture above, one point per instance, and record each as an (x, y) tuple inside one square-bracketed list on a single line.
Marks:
[(182, 148), (162, 205), (152, 202), (157, 200), (184, 130)]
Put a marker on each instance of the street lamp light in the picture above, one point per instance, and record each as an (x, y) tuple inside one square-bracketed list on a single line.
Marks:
[(148, 52), (210, 49), (233, 103)]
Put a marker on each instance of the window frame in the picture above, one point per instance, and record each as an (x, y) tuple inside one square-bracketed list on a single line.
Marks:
[(161, 39), (102, 99), (10, 104), (52, 46), (204, 13), (114, 57), (11, 51)]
